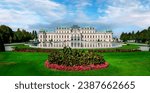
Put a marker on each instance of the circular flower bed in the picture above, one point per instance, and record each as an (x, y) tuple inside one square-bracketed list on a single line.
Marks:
[(76, 68), (75, 60)]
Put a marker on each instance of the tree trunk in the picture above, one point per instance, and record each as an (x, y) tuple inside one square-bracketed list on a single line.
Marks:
[(2, 47)]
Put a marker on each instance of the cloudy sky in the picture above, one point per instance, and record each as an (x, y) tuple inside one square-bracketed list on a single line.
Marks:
[(116, 15)]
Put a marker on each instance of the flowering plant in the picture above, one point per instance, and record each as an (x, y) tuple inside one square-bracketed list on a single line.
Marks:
[(74, 57), (76, 68)]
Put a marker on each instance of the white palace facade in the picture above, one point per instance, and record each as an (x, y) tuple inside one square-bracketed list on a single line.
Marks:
[(75, 33)]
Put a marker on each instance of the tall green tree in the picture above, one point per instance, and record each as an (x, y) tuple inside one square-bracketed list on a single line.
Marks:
[(22, 36), (2, 47), (6, 33), (140, 36), (9, 36), (34, 34)]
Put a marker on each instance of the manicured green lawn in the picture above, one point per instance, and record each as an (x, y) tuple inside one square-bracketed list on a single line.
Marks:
[(32, 64), (21, 46)]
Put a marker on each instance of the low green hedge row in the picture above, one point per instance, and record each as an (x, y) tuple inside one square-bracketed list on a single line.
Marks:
[(92, 50)]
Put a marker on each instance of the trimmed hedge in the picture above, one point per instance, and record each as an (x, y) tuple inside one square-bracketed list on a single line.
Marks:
[(34, 50), (51, 50), (117, 50)]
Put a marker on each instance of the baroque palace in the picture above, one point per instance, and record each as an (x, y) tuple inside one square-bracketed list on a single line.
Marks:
[(75, 33)]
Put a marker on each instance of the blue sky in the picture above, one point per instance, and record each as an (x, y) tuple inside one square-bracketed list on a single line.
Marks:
[(116, 15)]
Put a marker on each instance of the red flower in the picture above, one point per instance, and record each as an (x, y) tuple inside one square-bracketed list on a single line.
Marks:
[(76, 68)]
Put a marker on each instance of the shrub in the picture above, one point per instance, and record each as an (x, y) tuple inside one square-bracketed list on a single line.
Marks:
[(74, 57)]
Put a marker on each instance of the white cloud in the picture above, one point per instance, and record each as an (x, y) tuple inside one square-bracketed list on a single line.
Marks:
[(48, 9), (127, 12), (112, 13), (81, 6), (12, 1), (14, 16), (24, 13)]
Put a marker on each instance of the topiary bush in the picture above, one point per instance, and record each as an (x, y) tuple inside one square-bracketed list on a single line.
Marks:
[(74, 57)]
